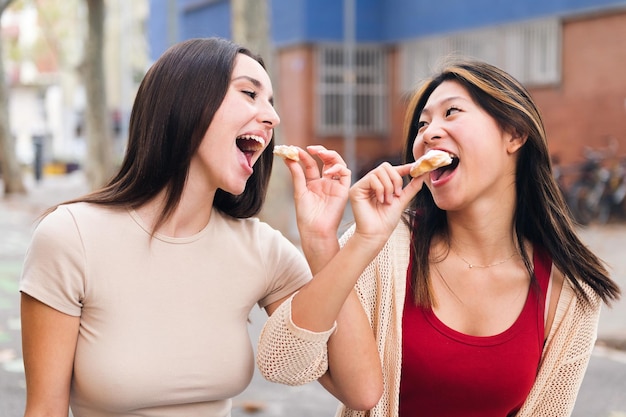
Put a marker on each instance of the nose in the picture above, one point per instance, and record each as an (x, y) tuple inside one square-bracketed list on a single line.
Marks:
[(431, 133), (269, 116)]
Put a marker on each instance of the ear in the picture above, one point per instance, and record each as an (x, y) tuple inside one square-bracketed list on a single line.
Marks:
[(515, 141)]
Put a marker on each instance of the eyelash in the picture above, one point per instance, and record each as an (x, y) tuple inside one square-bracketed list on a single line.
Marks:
[(421, 124), (452, 108), (251, 94)]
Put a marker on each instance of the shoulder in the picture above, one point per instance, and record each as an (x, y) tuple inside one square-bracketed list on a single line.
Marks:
[(68, 222), (83, 212), (572, 308), (58, 222), (569, 294)]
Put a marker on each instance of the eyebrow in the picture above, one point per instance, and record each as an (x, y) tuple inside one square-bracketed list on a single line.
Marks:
[(441, 103), (254, 82)]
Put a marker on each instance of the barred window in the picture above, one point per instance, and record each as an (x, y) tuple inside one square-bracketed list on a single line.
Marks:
[(529, 51), (370, 89)]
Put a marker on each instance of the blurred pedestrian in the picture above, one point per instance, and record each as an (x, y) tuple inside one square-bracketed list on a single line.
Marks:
[(482, 298), (135, 297)]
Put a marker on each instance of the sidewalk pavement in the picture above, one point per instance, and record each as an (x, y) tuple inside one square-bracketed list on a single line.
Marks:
[(601, 394)]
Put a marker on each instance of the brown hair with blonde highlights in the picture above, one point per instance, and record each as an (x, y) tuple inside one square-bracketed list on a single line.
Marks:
[(541, 215)]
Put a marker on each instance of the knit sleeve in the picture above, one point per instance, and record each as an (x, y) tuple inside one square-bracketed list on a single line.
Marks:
[(565, 360), (288, 354)]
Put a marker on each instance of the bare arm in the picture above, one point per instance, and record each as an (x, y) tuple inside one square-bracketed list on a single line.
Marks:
[(378, 201), (353, 360), (49, 344), (354, 374)]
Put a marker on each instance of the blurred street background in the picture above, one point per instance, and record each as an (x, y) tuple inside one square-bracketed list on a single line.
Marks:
[(342, 71)]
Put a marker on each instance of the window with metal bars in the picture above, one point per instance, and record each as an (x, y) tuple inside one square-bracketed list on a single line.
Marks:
[(369, 89), (530, 51)]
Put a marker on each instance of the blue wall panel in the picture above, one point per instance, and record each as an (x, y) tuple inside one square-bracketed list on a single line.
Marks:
[(212, 19), (414, 18), (324, 20), (370, 18), (310, 21), (301, 21), (158, 35), (287, 21), (195, 19)]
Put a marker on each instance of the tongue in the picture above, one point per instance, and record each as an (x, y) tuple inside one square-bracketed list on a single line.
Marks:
[(249, 158), (246, 158), (438, 173)]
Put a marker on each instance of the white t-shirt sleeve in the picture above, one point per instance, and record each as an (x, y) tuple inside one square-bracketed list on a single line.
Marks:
[(287, 269)]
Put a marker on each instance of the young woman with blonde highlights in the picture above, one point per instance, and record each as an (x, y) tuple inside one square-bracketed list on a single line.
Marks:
[(481, 296)]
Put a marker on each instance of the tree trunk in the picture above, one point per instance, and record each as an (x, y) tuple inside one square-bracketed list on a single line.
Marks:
[(250, 26), (9, 165), (99, 159)]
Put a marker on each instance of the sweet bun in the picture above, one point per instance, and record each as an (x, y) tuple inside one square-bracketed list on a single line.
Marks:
[(430, 161), (287, 152)]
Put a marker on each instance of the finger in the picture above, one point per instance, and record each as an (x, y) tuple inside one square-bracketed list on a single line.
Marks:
[(404, 170), (390, 179), (315, 149), (376, 188), (395, 175), (310, 166), (382, 183), (297, 176), (410, 191), (340, 173), (333, 164), (328, 157)]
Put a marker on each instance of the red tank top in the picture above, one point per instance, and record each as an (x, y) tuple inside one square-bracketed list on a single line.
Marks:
[(446, 373)]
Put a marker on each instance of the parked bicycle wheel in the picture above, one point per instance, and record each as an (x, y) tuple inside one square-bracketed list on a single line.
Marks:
[(581, 206)]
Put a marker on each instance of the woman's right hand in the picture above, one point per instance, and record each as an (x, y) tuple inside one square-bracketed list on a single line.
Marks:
[(378, 200)]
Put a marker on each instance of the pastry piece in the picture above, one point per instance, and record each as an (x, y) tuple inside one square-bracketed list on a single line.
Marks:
[(287, 152), (430, 161)]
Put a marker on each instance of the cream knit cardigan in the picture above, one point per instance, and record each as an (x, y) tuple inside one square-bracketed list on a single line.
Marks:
[(294, 356)]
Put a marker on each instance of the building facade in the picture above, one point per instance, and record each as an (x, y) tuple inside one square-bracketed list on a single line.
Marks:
[(44, 49), (569, 53)]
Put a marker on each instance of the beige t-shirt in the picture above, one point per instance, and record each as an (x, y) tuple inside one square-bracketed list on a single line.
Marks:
[(163, 327)]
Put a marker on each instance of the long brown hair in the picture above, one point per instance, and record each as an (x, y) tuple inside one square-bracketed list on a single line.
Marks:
[(541, 215), (174, 106)]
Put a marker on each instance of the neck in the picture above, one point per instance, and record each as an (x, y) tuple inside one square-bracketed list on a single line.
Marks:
[(190, 216), (483, 242)]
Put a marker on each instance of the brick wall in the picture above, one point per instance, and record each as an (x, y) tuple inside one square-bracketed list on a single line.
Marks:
[(588, 107)]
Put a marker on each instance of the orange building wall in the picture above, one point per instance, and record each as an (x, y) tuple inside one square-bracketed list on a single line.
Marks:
[(294, 96), (295, 91), (589, 106), (586, 109)]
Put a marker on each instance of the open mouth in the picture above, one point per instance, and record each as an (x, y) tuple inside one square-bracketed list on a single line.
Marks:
[(442, 172), (249, 144)]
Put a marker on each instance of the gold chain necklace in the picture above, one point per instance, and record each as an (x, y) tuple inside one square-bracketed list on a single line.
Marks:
[(471, 265)]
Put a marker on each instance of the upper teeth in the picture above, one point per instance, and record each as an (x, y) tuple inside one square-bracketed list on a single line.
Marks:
[(253, 137)]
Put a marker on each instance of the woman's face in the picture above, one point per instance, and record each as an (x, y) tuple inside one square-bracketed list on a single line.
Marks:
[(484, 163), (240, 131)]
